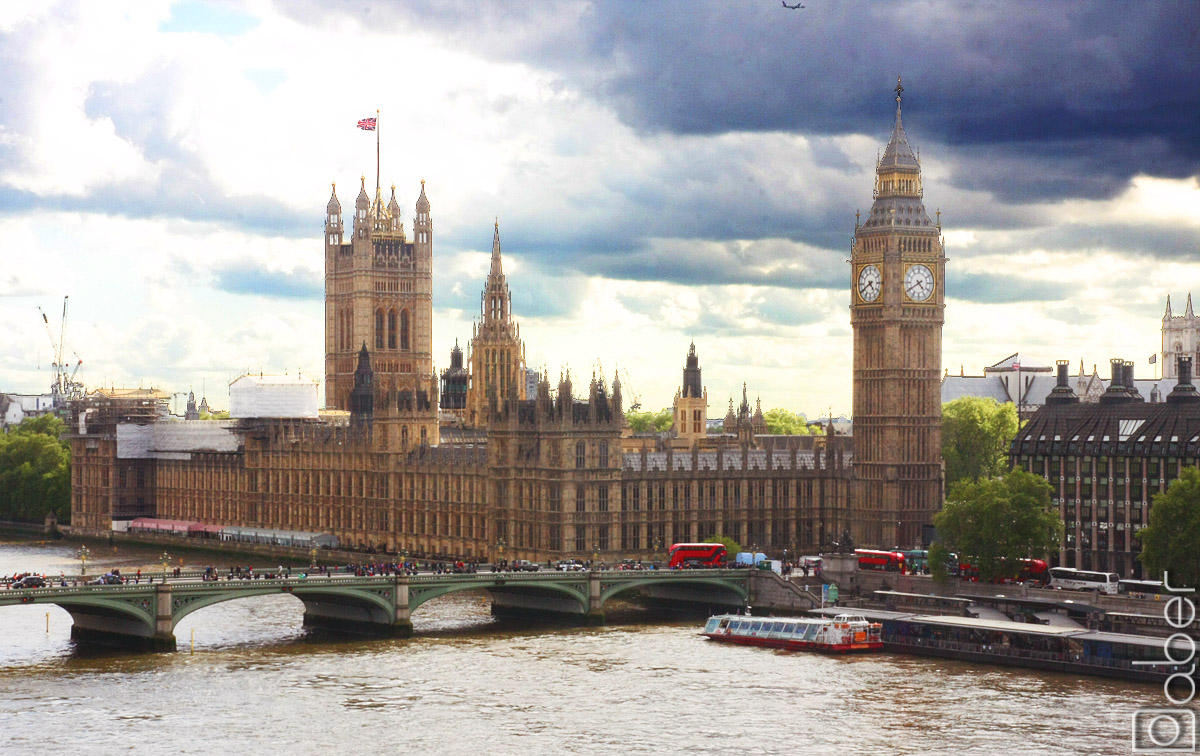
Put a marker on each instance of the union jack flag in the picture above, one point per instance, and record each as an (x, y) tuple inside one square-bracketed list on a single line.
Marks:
[(367, 124)]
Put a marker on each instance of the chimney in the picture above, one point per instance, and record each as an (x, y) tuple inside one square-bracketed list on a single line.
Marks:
[(1062, 393), (1130, 387), (1184, 392), (1116, 393)]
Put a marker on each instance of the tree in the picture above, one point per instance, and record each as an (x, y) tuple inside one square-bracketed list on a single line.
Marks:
[(731, 546), (938, 561), (35, 471), (781, 422), (643, 422), (1171, 539), (995, 522), (976, 433)]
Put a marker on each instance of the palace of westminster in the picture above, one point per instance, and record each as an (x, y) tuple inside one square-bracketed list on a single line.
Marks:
[(486, 461)]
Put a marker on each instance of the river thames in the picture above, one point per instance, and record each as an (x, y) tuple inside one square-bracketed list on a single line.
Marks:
[(258, 683)]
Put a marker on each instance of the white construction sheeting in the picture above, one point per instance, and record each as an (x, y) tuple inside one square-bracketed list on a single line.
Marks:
[(273, 396), (175, 439)]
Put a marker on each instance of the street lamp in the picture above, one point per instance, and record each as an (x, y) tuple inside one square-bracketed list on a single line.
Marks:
[(312, 559), (500, 544), (657, 545), (595, 560), (165, 559), (82, 555)]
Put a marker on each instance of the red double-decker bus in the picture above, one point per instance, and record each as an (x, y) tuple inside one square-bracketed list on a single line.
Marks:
[(1031, 571), (696, 555), (892, 561)]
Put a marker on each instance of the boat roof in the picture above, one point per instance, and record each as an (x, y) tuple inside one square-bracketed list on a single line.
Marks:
[(765, 618), (1065, 604), (994, 624), (1007, 626), (959, 599), (875, 615)]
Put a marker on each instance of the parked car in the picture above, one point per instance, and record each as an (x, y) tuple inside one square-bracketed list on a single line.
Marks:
[(109, 579), (30, 581), (524, 565)]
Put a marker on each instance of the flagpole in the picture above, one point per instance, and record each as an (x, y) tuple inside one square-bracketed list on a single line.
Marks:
[(377, 157)]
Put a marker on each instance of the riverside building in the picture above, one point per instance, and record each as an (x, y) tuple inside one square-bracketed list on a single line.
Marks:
[(532, 469), (1106, 460)]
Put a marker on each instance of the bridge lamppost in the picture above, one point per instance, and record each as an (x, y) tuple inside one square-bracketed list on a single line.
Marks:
[(82, 555), (165, 559), (657, 545), (500, 549), (595, 560), (312, 559)]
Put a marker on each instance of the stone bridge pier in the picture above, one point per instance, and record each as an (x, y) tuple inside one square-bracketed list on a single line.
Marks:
[(145, 622)]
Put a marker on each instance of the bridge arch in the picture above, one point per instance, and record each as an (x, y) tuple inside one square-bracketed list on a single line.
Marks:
[(735, 588), (575, 590)]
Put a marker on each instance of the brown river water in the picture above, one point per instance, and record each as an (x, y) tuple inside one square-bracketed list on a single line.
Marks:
[(258, 683)]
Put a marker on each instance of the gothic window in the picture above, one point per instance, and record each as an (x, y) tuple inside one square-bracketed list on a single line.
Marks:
[(379, 329), (580, 455), (604, 454), (391, 323), (602, 500), (404, 329)]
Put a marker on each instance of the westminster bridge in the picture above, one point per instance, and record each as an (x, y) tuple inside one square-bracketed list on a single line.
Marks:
[(144, 615)]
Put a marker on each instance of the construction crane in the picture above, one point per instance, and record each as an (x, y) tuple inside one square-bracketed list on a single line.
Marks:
[(628, 385), (65, 386)]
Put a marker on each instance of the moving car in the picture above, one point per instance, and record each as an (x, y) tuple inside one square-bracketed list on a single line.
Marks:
[(30, 581), (109, 579), (524, 565)]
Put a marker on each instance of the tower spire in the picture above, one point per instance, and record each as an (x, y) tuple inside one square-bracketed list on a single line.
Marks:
[(496, 268)]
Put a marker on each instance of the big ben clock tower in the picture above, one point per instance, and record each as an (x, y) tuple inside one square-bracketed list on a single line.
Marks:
[(897, 304)]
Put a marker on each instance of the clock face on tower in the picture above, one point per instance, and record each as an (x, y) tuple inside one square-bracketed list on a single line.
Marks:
[(869, 283), (918, 283)]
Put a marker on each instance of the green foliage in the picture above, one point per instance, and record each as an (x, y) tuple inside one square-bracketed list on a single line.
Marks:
[(644, 422), (1171, 539), (939, 557), (781, 422), (995, 522), (976, 433), (731, 546), (218, 415), (35, 471)]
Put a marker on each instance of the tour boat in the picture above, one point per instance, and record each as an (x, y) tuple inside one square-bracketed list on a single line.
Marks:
[(844, 633)]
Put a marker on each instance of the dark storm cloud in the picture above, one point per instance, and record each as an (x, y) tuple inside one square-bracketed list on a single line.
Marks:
[(252, 279), (1093, 92)]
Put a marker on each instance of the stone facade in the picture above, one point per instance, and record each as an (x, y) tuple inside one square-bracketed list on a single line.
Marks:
[(497, 356), (1106, 460), (1180, 338), (897, 304), (379, 295), (691, 403), (538, 472)]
